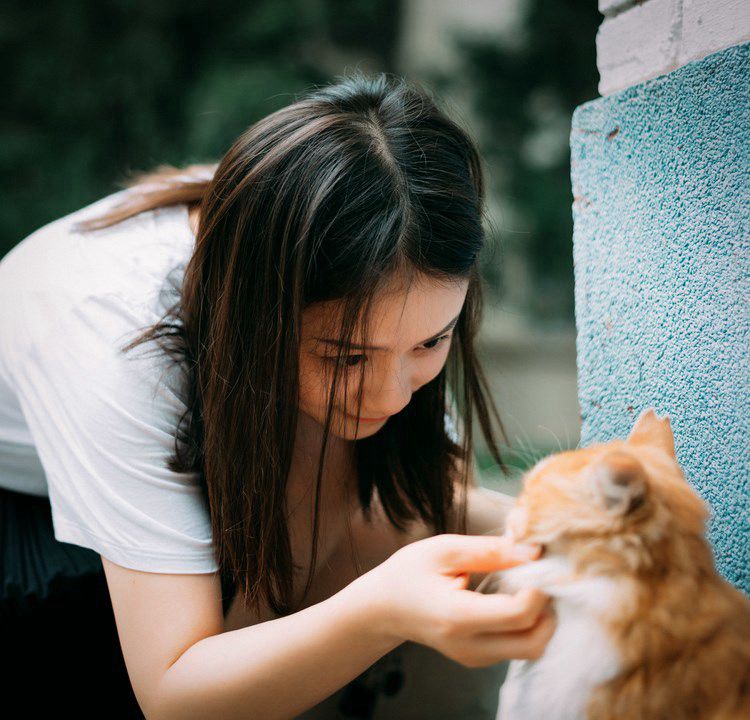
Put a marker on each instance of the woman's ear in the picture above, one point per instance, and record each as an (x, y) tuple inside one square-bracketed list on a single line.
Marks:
[(619, 482), (650, 429)]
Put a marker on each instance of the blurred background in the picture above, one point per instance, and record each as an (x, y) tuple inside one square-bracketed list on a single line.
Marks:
[(98, 89)]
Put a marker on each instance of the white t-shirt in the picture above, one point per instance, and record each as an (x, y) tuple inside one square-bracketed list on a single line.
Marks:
[(82, 422)]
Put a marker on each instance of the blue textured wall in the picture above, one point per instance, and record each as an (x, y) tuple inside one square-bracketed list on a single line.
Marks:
[(661, 209)]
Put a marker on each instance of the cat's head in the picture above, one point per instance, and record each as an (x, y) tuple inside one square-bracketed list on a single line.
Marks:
[(611, 502)]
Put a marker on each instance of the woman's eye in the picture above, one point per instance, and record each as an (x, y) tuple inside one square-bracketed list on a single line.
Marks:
[(432, 344), (347, 361), (351, 361)]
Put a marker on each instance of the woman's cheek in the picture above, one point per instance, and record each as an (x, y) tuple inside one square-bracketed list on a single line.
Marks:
[(430, 367), (312, 387)]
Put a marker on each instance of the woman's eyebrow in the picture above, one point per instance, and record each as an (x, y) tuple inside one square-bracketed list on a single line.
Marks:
[(340, 343)]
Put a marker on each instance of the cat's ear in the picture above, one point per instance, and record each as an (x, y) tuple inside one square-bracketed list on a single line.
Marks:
[(619, 482), (650, 429)]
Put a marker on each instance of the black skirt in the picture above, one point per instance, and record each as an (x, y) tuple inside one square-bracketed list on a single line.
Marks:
[(33, 565), (60, 646)]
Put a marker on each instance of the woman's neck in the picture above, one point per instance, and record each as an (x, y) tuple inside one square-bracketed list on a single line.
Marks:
[(340, 458)]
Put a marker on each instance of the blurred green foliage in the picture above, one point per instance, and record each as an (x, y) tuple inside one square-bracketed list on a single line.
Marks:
[(97, 89), (524, 93), (517, 459)]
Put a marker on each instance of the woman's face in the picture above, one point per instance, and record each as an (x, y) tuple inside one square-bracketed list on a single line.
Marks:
[(411, 332)]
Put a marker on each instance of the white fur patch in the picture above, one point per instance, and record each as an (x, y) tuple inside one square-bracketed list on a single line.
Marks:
[(579, 656)]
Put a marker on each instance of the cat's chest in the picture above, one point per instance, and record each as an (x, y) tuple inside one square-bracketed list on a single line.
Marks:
[(558, 686), (580, 655)]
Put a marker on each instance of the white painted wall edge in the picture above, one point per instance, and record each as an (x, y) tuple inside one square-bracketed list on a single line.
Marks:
[(638, 41)]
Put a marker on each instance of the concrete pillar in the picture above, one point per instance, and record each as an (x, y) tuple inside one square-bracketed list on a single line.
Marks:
[(661, 207)]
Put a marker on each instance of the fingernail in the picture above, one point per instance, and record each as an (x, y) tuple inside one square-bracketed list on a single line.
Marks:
[(526, 552)]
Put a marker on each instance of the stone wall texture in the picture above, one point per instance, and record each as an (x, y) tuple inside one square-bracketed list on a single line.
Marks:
[(661, 186)]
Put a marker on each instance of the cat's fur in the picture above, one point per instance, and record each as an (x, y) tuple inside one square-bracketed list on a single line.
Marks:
[(646, 627)]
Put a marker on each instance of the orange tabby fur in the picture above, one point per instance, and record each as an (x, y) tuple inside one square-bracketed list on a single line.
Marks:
[(624, 510)]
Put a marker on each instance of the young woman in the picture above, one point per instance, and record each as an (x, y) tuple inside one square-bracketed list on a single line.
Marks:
[(237, 385)]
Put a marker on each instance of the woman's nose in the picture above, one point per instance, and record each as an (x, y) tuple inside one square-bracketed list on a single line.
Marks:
[(391, 391)]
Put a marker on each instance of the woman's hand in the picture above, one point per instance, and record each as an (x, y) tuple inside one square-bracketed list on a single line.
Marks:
[(421, 595)]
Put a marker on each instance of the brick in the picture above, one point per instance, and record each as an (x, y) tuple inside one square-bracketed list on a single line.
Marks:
[(608, 7), (638, 44), (712, 25)]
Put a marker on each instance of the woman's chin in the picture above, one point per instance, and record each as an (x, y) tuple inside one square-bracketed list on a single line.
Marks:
[(366, 429), (344, 426)]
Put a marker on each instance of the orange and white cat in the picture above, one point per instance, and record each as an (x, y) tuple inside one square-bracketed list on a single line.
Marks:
[(646, 627)]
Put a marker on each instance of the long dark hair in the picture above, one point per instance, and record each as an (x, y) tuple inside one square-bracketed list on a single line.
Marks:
[(325, 199)]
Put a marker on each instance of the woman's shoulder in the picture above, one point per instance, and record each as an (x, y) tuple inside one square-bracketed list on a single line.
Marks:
[(58, 235), (59, 274), (60, 254)]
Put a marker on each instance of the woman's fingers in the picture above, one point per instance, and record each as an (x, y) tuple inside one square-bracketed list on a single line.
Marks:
[(500, 612), (489, 648), (482, 553)]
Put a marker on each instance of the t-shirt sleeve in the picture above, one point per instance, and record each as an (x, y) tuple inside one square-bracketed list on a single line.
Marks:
[(103, 423)]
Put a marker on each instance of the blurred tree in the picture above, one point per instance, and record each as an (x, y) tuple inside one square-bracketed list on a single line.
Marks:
[(524, 94), (96, 89)]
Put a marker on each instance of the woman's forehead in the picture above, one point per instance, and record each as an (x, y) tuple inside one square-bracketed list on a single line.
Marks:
[(394, 311)]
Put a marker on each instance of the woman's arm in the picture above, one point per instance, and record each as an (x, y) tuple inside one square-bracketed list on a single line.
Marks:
[(486, 512), (182, 665), (486, 509)]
